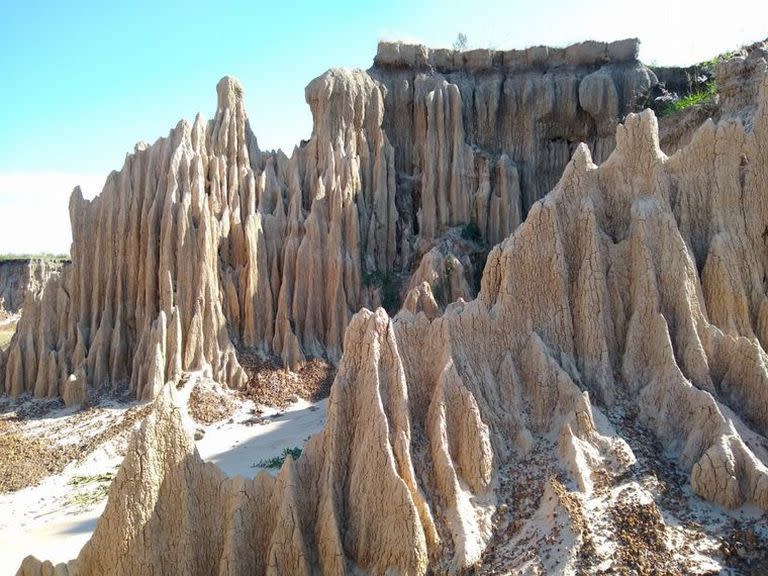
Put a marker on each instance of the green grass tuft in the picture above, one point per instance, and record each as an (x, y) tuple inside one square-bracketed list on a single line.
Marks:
[(79, 481), (89, 494), (693, 99), (710, 64), (278, 461)]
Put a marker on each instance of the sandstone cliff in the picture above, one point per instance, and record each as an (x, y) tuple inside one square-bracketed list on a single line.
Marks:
[(637, 285), (203, 245)]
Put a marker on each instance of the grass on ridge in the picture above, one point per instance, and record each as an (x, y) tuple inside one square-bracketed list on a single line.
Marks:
[(693, 99)]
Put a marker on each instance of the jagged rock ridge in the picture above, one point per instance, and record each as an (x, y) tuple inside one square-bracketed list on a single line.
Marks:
[(640, 281), (203, 244)]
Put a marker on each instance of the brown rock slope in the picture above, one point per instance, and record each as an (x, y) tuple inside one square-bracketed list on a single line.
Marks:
[(203, 244), (639, 282)]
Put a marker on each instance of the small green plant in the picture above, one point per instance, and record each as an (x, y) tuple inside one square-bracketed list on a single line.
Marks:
[(90, 495), (461, 42), (471, 232), (693, 99), (451, 263), (710, 64), (278, 461), (390, 297), (86, 499), (79, 481), (376, 278)]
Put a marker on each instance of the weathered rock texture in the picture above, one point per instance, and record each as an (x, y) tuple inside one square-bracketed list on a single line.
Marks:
[(641, 281), (21, 277), (202, 244)]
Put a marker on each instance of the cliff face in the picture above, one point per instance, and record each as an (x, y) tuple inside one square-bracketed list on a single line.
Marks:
[(479, 136), (635, 286), (203, 244), (21, 277)]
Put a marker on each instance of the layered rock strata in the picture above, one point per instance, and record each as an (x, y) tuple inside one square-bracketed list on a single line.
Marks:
[(202, 244), (640, 282)]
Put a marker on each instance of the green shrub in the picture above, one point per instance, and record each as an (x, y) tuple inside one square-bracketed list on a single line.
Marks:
[(79, 481), (471, 232), (693, 99), (450, 266), (710, 64), (89, 489), (389, 284), (278, 461), (376, 278)]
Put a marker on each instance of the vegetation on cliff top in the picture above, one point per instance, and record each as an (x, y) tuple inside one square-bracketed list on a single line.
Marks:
[(42, 256)]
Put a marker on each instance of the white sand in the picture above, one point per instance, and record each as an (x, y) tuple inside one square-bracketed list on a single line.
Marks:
[(238, 448), (42, 520)]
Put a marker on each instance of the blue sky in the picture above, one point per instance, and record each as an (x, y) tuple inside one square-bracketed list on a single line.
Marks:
[(82, 82)]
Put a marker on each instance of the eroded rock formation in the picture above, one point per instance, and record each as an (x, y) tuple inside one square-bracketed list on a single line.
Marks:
[(203, 244), (21, 277), (637, 283)]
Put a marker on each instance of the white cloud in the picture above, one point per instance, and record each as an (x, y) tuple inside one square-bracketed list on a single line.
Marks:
[(34, 209)]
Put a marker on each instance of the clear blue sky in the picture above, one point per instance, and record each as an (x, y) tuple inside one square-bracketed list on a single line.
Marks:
[(82, 82)]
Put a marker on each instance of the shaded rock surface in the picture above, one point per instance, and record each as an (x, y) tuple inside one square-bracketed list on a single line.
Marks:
[(639, 282)]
